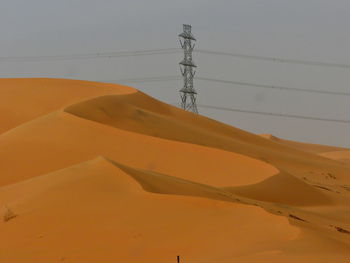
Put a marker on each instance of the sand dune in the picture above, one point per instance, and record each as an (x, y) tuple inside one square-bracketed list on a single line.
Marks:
[(25, 99), (96, 172), (35, 146), (308, 147), (139, 113), (95, 211), (343, 156), (281, 188)]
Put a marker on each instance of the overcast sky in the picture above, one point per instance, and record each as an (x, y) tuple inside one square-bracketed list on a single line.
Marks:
[(298, 29)]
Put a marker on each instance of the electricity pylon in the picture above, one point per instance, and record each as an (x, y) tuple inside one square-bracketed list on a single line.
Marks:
[(188, 93)]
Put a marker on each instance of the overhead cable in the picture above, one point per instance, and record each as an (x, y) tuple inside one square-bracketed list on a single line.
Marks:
[(276, 59), (232, 82), (272, 114), (91, 55), (255, 85)]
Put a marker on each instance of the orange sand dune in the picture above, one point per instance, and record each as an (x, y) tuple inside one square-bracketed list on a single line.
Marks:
[(22, 100), (330, 152), (308, 147), (35, 146), (96, 212), (343, 156), (170, 183), (139, 113)]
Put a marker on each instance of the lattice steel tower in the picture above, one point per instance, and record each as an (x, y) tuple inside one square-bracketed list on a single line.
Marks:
[(188, 93)]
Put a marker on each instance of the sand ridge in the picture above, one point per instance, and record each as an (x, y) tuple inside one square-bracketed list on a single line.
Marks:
[(104, 173), (24, 99)]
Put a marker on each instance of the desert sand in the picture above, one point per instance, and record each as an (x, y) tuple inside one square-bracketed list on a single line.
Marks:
[(96, 172)]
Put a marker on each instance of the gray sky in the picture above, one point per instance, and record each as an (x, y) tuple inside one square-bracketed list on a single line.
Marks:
[(298, 29)]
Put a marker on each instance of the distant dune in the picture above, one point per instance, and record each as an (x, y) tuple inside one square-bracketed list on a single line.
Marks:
[(308, 147), (342, 156), (93, 172)]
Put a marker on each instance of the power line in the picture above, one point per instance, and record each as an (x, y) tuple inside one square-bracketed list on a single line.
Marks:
[(97, 55), (272, 114), (91, 55), (147, 79), (274, 87), (31, 74), (276, 59), (171, 78), (240, 83)]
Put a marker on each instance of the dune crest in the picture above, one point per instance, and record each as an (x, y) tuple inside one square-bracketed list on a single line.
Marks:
[(24, 99)]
